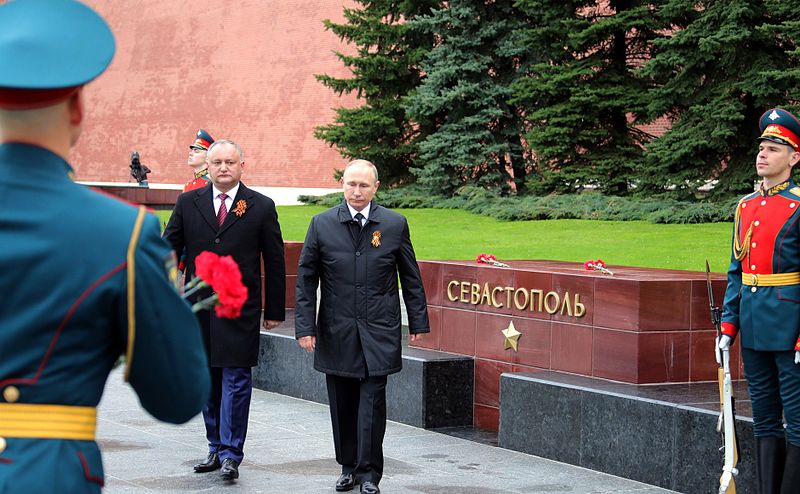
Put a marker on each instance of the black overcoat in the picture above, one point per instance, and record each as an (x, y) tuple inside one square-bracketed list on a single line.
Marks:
[(358, 329), (249, 238)]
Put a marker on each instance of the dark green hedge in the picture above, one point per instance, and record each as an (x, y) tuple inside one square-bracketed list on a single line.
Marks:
[(587, 206)]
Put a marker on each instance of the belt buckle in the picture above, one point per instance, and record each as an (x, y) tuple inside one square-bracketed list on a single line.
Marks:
[(755, 279)]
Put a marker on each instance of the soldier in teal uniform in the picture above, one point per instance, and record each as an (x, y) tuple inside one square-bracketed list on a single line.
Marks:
[(762, 303), (85, 278), (197, 160)]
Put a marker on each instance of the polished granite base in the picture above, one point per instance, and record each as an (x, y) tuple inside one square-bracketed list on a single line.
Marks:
[(434, 389), (663, 435)]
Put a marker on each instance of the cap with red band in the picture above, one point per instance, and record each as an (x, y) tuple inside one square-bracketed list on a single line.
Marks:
[(203, 140), (778, 125), (48, 50)]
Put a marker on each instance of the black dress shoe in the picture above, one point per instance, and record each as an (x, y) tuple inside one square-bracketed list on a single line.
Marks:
[(346, 482), (229, 470), (210, 464), (369, 488)]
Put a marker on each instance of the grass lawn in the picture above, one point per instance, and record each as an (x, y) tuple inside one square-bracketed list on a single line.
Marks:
[(453, 234)]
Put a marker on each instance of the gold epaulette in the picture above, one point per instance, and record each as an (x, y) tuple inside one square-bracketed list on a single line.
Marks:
[(795, 190)]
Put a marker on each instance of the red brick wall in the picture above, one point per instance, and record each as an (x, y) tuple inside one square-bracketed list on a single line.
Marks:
[(242, 69)]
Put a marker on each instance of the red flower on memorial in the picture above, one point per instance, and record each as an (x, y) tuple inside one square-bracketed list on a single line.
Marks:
[(222, 274), (597, 265), (490, 259)]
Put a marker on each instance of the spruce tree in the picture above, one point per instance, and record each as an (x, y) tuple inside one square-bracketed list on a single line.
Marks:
[(718, 70), (465, 94), (583, 98), (384, 69)]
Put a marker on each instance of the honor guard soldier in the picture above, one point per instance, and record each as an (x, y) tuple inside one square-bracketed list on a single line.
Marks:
[(86, 278), (762, 302), (197, 160)]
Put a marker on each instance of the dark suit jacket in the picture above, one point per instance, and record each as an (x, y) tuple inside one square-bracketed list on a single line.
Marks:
[(249, 238), (358, 328)]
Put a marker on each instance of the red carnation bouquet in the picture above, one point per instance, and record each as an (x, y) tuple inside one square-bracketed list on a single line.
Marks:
[(490, 259), (597, 265), (222, 274)]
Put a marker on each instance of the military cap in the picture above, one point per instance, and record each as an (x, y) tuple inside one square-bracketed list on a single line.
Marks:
[(49, 49), (202, 141), (778, 125)]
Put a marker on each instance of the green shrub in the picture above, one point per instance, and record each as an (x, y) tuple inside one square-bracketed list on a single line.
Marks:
[(585, 205)]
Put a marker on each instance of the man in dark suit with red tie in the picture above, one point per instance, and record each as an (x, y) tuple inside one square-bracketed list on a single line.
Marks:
[(228, 218)]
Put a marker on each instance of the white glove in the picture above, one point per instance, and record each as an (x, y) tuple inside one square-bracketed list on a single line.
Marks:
[(797, 356), (725, 343)]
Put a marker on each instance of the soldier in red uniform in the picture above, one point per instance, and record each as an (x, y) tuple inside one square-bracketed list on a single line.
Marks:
[(197, 160), (762, 302)]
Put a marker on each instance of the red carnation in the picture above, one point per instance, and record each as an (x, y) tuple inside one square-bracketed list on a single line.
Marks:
[(222, 274), (204, 265)]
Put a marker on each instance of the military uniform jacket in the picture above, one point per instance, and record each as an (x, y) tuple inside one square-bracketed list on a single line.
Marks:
[(64, 317), (199, 181), (248, 238), (358, 327), (766, 240)]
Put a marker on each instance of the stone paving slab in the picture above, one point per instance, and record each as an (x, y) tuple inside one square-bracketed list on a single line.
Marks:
[(290, 449)]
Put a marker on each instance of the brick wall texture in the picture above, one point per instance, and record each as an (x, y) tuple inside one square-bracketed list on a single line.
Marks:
[(242, 69)]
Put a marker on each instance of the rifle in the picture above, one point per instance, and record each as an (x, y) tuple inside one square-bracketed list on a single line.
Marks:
[(726, 424)]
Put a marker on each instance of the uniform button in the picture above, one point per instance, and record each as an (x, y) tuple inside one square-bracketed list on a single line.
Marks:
[(753, 289), (753, 267), (763, 203), (756, 222), (11, 394), (216, 240), (753, 245), (792, 205), (358, 253), (2, 444), (744, 205)]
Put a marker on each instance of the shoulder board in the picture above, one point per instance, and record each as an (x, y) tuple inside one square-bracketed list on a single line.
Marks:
[(795, 190)]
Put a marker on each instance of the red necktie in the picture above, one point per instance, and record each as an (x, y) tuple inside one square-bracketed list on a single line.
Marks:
[(223, 209)]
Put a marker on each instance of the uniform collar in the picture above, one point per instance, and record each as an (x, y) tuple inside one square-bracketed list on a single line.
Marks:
[(201, 174), (774, 189), (37, 160)]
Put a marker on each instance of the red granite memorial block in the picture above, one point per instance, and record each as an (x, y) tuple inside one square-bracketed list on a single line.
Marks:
[(700, 315), (535, 280), (431, 340), (464, 274), (458, 331), (532, 350), (487, 381), (486, 417), (571, 349), (159, 198), (432, 281), (569, 286), (291, 286), (291, 255), (638, 325), (702, 362)]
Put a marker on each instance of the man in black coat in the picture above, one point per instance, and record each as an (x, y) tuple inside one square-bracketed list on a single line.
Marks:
[(227, 218), (354, 252)]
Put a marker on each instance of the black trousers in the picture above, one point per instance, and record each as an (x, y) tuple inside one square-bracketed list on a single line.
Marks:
[(358, 416)]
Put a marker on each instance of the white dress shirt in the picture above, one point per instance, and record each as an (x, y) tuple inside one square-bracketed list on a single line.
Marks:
[(228, 200), (364, 213)]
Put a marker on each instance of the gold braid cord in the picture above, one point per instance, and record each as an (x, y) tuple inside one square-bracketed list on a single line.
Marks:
[(137, 228), (740, 249)]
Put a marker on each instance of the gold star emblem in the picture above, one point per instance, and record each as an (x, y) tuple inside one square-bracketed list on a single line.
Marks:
[(511, 336)]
